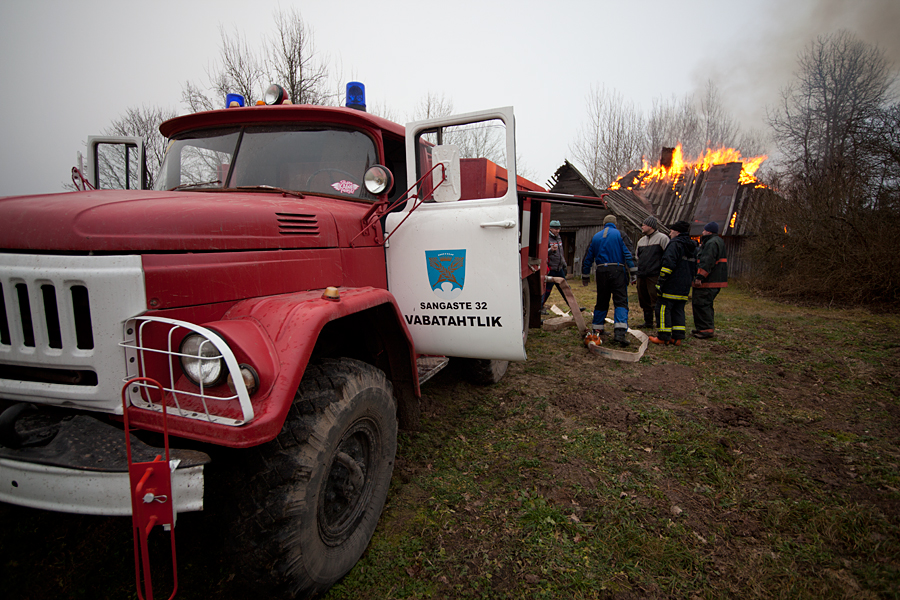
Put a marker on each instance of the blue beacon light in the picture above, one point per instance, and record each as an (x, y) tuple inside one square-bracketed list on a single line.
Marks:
[(356, 96)]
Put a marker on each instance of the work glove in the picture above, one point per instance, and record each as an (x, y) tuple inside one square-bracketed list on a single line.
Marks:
[(585, 280), (697, 282)]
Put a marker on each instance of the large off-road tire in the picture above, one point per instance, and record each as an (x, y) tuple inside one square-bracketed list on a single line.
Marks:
[(484, 371), (309, 501)]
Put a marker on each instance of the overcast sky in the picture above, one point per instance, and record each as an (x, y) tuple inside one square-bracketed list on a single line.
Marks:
[(69, 68)]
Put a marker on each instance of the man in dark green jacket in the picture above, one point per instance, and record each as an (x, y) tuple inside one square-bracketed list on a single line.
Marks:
[(679, 266), (712, 276)]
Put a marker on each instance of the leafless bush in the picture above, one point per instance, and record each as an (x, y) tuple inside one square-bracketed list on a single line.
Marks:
[(809, 246)]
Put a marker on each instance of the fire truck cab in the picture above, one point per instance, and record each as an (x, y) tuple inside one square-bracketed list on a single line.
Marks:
[(294, 275)]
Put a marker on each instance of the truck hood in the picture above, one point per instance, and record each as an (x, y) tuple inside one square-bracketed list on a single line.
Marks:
[(114, 221)]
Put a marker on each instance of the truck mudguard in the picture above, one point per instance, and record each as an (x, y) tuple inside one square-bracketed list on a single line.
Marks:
[(287, 329)]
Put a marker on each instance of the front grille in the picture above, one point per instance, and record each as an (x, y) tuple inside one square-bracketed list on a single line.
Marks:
[(60, 325), (45, 375), (35, 314), (297, 224)]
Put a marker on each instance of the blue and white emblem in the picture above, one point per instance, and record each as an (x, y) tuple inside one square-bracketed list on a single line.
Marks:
[(446, 272)]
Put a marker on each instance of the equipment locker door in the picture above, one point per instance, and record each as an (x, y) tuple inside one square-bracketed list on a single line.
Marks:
[(453, 265)]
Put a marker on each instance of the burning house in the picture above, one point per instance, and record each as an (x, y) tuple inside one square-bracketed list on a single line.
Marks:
[(719, 186)]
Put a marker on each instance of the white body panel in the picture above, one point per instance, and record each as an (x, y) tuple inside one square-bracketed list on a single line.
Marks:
[(88, 492), (479, 314)]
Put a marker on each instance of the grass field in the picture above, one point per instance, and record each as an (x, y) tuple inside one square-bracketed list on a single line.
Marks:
[(760, 464), (763, 463)]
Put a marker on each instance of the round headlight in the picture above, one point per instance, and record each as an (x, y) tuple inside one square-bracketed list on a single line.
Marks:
[(201, 361), (378, 179)]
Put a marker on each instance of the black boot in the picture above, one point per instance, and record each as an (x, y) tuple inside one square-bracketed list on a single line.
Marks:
[(619, 336)]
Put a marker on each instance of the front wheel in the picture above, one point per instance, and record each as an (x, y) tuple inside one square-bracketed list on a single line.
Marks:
[(308, 515)]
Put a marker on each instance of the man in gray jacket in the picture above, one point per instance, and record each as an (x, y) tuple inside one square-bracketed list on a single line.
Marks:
[(650, 250)]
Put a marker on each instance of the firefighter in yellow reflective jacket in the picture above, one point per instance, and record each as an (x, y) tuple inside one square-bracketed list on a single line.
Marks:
[(679, 266), (712, 276)]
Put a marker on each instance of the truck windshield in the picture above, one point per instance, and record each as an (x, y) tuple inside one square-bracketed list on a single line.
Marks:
[(304, 159)]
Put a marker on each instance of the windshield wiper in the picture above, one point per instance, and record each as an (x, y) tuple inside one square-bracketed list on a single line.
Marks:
[(185, 186), (270, 188)]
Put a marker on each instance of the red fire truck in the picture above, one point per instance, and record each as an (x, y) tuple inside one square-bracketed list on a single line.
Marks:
[(293, 277)]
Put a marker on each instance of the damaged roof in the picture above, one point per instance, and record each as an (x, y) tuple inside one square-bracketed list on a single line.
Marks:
[(697, 196), (623, 203)]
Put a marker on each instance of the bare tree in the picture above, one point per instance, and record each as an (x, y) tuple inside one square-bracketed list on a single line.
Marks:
[(294, 61), (476, 140), (720, 129), (695, 125), (385, 111), (884, 147), (833, 233), (144, 122), (432, 106), (672, 122), (479, 140), (840, 85), (610, 142)]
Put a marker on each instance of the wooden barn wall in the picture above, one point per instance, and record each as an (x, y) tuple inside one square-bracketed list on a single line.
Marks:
[(736, 249), (583, 237)]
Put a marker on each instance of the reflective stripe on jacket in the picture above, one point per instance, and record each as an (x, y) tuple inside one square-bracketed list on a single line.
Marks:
[(679, 265)]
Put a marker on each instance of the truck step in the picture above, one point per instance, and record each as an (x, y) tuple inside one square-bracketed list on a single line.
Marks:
[(429, 366)]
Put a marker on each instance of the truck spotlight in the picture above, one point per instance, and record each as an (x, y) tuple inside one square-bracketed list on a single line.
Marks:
[(276, 95), (378, 179), (201, 361)]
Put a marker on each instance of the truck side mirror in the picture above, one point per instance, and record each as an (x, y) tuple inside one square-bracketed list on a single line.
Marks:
[(117, 163), (451, 189)]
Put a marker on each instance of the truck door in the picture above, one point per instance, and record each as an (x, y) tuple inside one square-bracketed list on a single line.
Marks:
[(116, 163), (453, 262)]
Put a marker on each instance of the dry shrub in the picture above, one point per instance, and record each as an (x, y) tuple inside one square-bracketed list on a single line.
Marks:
[(826, 241)]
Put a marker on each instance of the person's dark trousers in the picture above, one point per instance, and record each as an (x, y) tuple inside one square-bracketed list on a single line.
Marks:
[(646, 289), (611, 282), (550, 284), (670, 314), (704, 312)]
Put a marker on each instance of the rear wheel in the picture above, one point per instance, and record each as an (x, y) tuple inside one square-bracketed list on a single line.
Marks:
[(309, 501)]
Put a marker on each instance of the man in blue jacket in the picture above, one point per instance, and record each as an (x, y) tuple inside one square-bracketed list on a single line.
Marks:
[(609, 252)]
